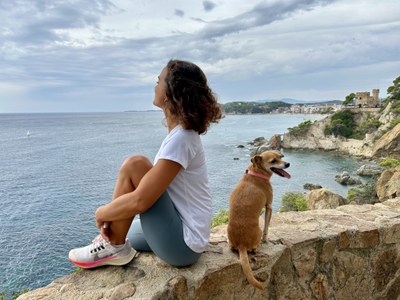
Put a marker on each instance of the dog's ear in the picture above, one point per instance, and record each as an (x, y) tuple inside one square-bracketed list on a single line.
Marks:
[(256, 160)]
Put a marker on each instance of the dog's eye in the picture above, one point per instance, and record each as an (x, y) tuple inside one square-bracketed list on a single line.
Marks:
[(273, 161)]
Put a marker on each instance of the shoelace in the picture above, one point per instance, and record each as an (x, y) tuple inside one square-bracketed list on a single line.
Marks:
[(97, 244)]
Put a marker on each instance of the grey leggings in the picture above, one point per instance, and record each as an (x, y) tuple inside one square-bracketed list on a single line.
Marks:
[(159, 229)]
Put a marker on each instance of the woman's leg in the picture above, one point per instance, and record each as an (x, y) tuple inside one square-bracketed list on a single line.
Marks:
[(131, 172), (160, 230)]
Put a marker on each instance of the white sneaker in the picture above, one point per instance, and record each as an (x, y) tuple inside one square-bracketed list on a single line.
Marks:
[(101, 253)]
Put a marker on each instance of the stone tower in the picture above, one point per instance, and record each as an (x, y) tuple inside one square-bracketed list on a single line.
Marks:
[(375, 95)]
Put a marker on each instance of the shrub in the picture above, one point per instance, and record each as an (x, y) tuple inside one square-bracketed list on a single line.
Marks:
[(351, 194), (300, 129), (389, 162), (366, 194), (221, 218), (368, 125), (293, 201), (395, 107), (342, 124), (394, 122)]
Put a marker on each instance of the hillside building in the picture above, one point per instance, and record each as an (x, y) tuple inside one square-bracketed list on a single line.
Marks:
[(364, 99)]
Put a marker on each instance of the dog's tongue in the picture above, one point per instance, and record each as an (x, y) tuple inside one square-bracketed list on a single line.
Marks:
[(282, 173)]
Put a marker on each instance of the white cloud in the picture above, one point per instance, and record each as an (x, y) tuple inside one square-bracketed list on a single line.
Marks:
[(114, 50)]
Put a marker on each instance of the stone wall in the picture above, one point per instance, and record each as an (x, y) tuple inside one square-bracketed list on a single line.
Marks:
[(352, 252)]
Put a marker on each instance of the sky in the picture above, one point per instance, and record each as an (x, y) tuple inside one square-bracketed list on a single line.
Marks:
[(105, 55)]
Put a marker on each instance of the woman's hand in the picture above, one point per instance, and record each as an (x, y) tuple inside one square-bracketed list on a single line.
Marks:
[(104, 226), (99, 221)]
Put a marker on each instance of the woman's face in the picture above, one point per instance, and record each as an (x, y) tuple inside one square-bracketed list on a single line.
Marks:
[(160, 89)]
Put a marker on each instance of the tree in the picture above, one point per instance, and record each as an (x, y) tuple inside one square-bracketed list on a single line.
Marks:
[(349, 99), (342, 123), (394, 90)]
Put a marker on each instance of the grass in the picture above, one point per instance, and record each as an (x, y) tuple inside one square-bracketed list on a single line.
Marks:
[(14, 295), (389, 162), (220, 219)]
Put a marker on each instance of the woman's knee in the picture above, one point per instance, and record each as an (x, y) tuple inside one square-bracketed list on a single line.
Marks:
[(136, 162), (135, 166)]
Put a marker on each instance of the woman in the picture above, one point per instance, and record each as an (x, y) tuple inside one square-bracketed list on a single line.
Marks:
[(172, 196)]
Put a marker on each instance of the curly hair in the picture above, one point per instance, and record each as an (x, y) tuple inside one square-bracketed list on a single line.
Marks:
[(190, 99)]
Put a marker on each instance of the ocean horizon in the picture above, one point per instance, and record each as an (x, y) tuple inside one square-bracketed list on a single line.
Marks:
[(57, 168)]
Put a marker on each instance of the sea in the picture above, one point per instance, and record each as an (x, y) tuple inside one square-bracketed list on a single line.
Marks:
[(57, 168)]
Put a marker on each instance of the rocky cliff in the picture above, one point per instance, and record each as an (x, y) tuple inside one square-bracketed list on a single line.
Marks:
[(315, 139), (371, 146), (352, 252)]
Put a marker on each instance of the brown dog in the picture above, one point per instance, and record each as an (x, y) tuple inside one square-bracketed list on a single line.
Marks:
[(251, 195)]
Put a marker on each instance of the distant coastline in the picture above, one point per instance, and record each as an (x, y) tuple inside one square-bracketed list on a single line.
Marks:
[(280, 107), (148, 110)]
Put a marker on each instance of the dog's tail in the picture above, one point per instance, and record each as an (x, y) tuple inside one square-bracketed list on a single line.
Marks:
[(244, 261)]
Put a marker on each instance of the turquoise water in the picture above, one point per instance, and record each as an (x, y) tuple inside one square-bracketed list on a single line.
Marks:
[(52, 180)]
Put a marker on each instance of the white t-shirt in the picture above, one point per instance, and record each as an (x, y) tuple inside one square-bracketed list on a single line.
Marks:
[(189, 191)]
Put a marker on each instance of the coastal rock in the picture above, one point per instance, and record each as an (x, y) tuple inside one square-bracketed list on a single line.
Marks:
[(260, 149), (386, 146), (257, 142), (345, 179), (310, 186), (388, 184), (323, 199), (387, 117), (261, 144), (369, 170), (389, 144), (275, 142), (352, 252)]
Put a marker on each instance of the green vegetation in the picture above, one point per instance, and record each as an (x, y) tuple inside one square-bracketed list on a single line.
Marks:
[(293, 201), (220, 219), (396, 107), (393, 92), (349, 99), (367, 126), (14, 295), (300, 129), (342, 124), (389, 162), (242, 107), (77, 270), (366, 194), (394, 122)]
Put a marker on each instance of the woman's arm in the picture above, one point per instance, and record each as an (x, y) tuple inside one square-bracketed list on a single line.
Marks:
[(150, 188)]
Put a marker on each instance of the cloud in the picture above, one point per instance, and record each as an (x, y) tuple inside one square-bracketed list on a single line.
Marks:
[(56, 52), (179, 13), (43, 20), (208, 5), (262, 14)]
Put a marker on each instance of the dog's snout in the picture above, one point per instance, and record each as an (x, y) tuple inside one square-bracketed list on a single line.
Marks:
[(287, 165)]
